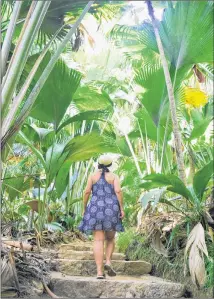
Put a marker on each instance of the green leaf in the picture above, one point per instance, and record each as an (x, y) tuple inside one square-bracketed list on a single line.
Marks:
[(16, 185), (56, 94), (147, 125), (153, 195), (62, 178), (75, 201), (90, 98), (54, 160), (169, 203), (201, 179), (88, 115), (123, 147), (54, 226), (82, 148), (200, 128), (13, 187), (172, 182), (23, 209), (38, 135), (32, 147), (153, 99)]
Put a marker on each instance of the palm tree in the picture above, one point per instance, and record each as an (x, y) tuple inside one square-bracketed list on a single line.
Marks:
[(16, 66), (185, 45), (177, 135)]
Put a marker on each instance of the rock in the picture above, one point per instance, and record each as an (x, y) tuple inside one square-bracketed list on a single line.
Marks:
[(88, 267), (117, 287), (65, 247), (38, 287), (78, 247), (8, 293), (85, 255)]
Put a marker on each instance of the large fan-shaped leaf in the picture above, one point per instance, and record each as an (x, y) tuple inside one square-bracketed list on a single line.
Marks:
[(201, 179), (56, 94), (82, 148), (185, 42), (58, 10)]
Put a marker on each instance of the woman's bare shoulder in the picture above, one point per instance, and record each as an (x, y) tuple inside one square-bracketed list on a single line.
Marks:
[(95, 173), (113, 174)]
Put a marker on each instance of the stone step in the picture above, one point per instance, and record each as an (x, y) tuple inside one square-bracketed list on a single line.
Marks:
[(78, 247), (85, 255), (88, 267), (118, 287)]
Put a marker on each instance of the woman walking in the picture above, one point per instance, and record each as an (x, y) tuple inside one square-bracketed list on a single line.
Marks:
[(103, 215)]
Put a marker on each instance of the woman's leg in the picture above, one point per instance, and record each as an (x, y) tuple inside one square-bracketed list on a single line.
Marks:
[(110, 244), (99, 250)]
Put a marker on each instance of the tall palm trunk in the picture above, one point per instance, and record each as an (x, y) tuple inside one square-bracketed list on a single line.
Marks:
[(177, 135)]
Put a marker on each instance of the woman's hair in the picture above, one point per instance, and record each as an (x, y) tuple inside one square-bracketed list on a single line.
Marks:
[(104, 167)]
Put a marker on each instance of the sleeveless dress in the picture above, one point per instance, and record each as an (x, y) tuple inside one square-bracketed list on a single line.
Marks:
[(103, 210)]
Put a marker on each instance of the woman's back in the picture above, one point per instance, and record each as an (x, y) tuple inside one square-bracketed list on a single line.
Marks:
[(109, 177)]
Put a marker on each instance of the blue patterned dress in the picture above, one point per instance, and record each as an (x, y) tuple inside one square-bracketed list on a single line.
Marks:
[(103, 210)]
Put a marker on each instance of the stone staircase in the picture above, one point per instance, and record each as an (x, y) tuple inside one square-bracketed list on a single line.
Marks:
[(75, 277)]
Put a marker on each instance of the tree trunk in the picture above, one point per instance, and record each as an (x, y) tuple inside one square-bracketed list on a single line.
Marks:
[(176, 132)]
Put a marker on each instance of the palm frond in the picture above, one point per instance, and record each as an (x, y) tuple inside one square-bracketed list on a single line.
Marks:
[(196, 249)]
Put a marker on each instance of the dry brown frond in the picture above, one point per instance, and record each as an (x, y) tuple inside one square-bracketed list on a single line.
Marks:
[(197, 248), (158, 245)]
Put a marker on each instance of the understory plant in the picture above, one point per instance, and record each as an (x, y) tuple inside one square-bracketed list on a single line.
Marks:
[(193, 211)]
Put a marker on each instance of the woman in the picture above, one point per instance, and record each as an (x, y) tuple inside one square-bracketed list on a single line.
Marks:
[(103, 215)]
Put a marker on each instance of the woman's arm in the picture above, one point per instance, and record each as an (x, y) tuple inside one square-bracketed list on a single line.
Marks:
[(118, 191), (87, 192)]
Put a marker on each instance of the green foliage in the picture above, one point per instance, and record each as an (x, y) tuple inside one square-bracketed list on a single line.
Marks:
[(153, 99), (82, 148), (25, 140), (54, 226), (54, 160), (89, 98), (88, 115), (172, 182), (200, 128), (184, 42), (154, 195), (57, 93), (201, 179), (147, 125), (124, 240)]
